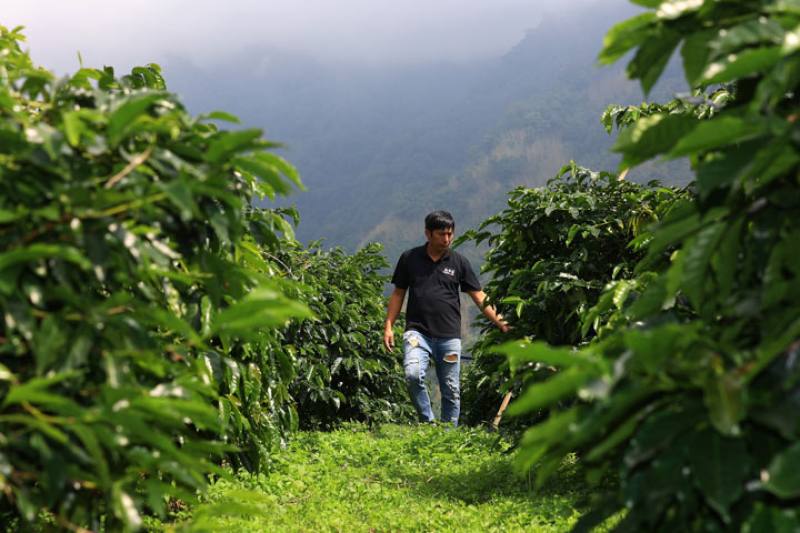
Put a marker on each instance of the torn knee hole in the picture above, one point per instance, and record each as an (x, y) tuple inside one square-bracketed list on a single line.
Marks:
[(451, 358)]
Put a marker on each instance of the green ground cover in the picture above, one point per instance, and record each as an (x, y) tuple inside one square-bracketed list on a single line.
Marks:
[(395, 478)]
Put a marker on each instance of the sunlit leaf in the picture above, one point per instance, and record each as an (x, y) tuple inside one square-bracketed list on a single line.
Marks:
[(133, 107), (783, 474), (227, 143), (720, 465)]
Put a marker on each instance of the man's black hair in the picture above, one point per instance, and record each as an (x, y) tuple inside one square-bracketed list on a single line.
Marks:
[(439, 220)]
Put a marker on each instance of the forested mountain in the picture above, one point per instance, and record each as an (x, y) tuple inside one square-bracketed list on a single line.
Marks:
[(378, 147)]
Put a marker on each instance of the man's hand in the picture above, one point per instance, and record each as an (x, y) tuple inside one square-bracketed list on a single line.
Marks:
[(388, 339), (479, 297), (395, 303)]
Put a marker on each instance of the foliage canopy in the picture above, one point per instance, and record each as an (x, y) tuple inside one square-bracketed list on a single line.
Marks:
[(139, 312)]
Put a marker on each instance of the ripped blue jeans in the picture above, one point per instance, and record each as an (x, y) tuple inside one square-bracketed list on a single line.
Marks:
[(418, 351)]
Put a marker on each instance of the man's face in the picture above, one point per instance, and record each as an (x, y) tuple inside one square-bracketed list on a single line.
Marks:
[(440, 239)]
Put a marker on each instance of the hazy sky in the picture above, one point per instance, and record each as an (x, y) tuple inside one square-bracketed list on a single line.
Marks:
[(360, 31)]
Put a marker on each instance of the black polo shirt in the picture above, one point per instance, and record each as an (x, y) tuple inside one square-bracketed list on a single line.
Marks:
[(433, 302)]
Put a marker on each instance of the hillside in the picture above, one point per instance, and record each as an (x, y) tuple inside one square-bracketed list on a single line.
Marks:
[(379, 147)]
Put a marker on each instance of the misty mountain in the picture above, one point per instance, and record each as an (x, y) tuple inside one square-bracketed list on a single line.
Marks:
[(379, 147)]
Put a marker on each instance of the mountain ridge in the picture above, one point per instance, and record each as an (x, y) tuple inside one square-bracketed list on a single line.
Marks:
[(380, 147)]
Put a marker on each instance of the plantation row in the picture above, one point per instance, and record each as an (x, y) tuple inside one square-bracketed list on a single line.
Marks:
[(158, 329)]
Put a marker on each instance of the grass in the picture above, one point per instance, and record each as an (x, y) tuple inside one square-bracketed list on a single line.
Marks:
[(395, 478)]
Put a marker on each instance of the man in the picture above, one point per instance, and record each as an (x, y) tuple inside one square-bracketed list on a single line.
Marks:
[(433, 275)]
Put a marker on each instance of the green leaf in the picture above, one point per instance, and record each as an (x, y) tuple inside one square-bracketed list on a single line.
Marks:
[(221, 226), (36, 252), (773, 519), (625, 36), (165, 319), (536, 440), (674, 229), (48, 343), (134, 107), (285, 168), (573, 231), (522, 352), (73, 127), (125, 508), (652, 57), (37, 424), (725, 396), (617, 437), (621, 293), (726, 260), (783, 474), (265, 171), (35, 391), (650, 301), (661, 429), (748, 34), (179, 192), (737, 66), (673, 9), (544, 394), (206, 316), (723, 169), (6, 374), (697, 260), (653, 348), (7, 216), (791, 41), (262, 307), (720, 467), (717, 133), (695, 53), (651, 136), (92, 445), (228, 143), (774, 161), (219, 115)]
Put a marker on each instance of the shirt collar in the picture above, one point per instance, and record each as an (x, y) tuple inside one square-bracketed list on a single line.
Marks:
[(446, 254)]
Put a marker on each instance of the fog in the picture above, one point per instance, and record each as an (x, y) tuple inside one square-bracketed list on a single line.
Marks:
[(206, 31)]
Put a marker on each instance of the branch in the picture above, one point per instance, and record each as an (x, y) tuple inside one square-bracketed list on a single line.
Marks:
[(130, 167)]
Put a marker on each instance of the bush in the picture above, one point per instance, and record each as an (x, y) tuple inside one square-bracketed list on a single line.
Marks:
[(692, 397), (553, 250), (344, 373), (135, 345)]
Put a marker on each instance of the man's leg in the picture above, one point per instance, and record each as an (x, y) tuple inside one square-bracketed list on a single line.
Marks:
[(447, 354), (416, 358)]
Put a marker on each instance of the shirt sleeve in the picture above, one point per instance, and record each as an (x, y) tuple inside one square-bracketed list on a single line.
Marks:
[(400, 278), (469, 281)]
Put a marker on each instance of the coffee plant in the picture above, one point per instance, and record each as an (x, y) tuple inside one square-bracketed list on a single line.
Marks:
[(138, 341), (552, 251), (692, 395), (343, 372), (699, 104)]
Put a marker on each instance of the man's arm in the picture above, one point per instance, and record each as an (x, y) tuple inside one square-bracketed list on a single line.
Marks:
[(479, 297), (395, 303)]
